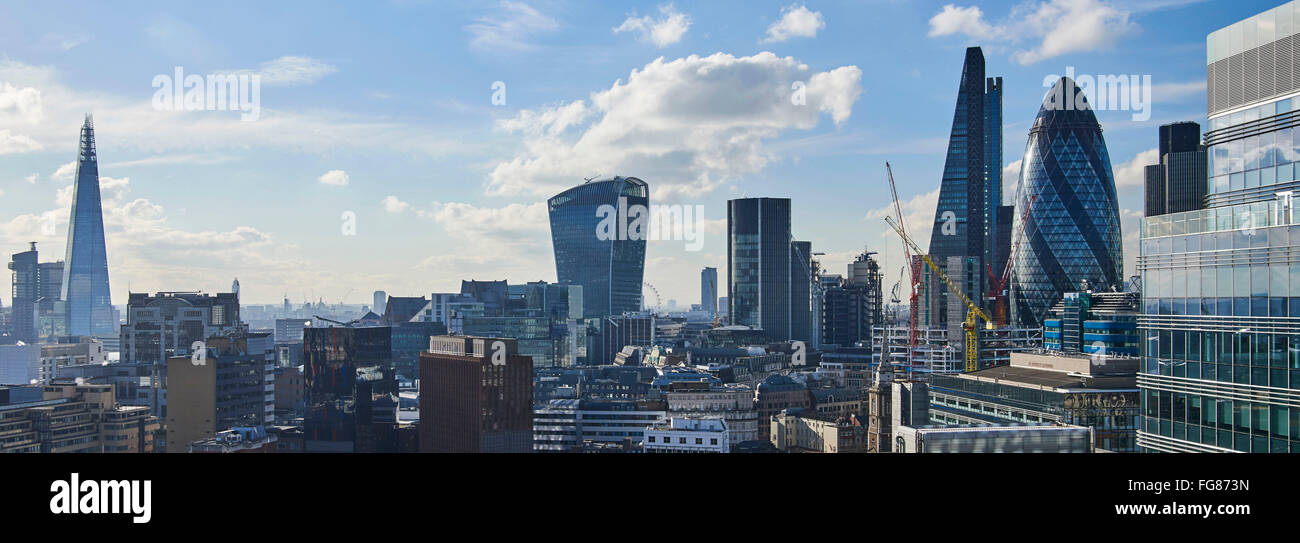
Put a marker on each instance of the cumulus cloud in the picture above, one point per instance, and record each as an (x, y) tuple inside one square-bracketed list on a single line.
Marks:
[(513, 240), (1133, 172), (19, 104), (512, 28), (143, 246), (1049, 28), (663, 31), (334, 177), (31, 179), (11, 143), (797, 21), (685, 125), (1010, 182), (393, 205), (918, 217)]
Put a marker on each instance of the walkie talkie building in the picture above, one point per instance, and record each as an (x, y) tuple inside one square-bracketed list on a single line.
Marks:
[(610, 271)]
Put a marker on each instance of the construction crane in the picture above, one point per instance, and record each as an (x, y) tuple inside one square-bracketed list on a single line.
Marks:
[(973, 312), (997, 297), (915, 272)]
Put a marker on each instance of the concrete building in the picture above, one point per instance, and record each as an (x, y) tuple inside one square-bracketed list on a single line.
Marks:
[(688, 435), (88, 351), (777, 393), (566, 425), (476, 395), (733, 403), (232, 386), (76, 418), (170, 323), (1097, 391), (242, 439), (1020, 438), (805, 430)]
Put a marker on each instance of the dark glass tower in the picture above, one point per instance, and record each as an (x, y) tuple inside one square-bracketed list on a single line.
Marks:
[(610, 270), (1178, 182), (85, 274), (1073, 232), (965, 220), (768, 273)]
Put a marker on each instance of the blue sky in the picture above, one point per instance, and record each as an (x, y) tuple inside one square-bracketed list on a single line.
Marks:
[(397, 99)]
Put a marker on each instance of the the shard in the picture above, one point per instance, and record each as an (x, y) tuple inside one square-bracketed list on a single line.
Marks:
[(85, 295), (1072, 232)]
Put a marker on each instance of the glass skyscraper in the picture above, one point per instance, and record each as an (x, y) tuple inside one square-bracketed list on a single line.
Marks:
[(85, 273), (609, 266), (965, 220), (769, 273), (1221, 285), (1072, 232)]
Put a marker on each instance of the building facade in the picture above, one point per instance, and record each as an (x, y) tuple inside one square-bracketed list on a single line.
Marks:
[(476, 396), (1221, 299), (769, 281), (593, 246), (1071, 232), (89, 307), (1178, 182)]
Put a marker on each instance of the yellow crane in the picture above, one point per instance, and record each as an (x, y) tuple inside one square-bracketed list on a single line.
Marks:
[(973, 312)]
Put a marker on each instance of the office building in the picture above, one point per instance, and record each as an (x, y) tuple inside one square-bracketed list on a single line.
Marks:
[(1071, 234), (25, 292), (965, 219), (172, 322), (85, 292), (688, 435), (596, 246), (351, 393), (1093, 323), (69, 417), (565, 425), (769, 282), (476, 396), (379, 302), (232, 385), (1221, 292), (850, 308), (806, 430), (1098, 391), (1178, 182), (709, 291), (1013, 438), (777, 393)]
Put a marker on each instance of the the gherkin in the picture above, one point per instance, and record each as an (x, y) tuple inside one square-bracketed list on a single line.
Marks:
[(1072, 232)]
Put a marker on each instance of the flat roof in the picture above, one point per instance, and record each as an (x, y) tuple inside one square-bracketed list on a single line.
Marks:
[(1048, 379)]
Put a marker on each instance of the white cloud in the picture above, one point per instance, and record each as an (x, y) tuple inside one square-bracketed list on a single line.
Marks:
[(65, 172), (334, 177), (968, 21), (918, 218), (1133, 172), (19, 104), (513, 241), (393, 205), (662, 32), (31, 179), (797, 21), (1172, 92), (129, 123), (17, 143), (291, 70), (512, 29), (685, 126), (1010, 182), (1054, 27)]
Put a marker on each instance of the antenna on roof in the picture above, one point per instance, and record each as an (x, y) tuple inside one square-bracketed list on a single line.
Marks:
[(588, 179)]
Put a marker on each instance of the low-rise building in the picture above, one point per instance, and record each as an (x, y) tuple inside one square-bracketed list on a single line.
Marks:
[(688, 435), (72, 417), (805, 430), (730, 402), (569, 425)]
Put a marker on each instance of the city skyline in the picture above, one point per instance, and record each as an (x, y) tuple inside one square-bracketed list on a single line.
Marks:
[(195, 198)]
